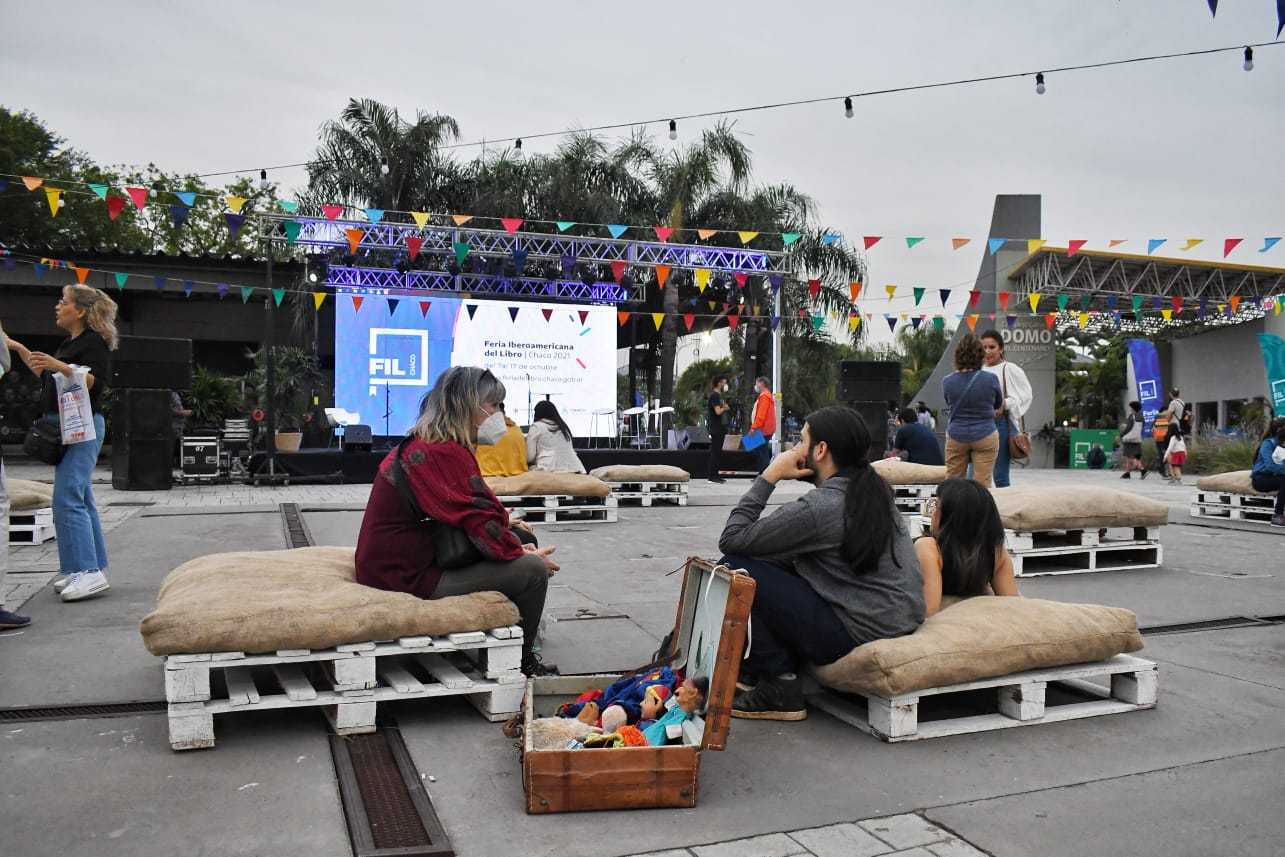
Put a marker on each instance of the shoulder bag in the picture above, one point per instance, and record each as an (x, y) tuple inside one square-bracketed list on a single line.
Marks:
[(44, 440), (1019, 445), (452, 545)]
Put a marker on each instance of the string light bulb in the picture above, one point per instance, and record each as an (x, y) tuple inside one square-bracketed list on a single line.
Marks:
[(847, 106), (517, 148), (1039, 83), (383, 168), (1249, 59), (263, 179), (673, 130)]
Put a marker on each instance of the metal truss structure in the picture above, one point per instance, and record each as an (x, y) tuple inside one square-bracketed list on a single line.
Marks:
[(1050, 270), (385, 279)]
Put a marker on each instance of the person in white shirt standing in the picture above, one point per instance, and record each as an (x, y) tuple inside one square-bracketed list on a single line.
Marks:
[(8, 620), (1018, 397)]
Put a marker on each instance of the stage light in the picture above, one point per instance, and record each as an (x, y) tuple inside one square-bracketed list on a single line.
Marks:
[(263, 179), (673, 129), (383, 168), (1039, 83), (312, 276), (1249, 59), (847, 107)]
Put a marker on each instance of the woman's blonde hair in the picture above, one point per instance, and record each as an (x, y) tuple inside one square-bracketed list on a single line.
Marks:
[(448, 413), (100, 311)]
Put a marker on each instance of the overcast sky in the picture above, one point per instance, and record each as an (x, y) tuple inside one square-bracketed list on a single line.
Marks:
[(1176, 149)]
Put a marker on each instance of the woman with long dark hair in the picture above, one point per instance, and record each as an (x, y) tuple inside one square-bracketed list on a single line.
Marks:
[(548, 443), (965, 554), (835, 568)]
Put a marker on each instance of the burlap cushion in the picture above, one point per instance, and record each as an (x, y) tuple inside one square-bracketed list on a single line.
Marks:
[(25, 495), (641, 473), (898, 472), (1235, 482), (539, 482), (984, 637), (262, 601), (1076, 508)]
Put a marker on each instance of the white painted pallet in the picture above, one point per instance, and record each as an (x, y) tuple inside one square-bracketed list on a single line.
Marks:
[(562, 509), (1233, 507), (911, 499), (31, 526), (647, 493), (1022, 700), (346, 682), (1054, 552)]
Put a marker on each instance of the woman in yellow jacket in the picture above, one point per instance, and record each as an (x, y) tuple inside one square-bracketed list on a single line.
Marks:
[(506, 458)]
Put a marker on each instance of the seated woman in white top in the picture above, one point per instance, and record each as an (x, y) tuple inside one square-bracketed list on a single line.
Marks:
[(548, 442), (965, 554)]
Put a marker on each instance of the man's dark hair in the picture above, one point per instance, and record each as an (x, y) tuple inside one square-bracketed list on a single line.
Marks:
[(869, 519), (922, 407), (1137, 406), (908, 415), (718, 379)]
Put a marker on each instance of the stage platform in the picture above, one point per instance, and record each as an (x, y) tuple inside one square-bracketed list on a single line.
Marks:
[(359, 468)]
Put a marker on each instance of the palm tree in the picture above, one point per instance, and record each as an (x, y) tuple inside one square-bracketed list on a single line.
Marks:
[(921, 350)]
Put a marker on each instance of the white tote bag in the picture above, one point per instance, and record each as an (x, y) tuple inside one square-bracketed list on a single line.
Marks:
[(74, 411)]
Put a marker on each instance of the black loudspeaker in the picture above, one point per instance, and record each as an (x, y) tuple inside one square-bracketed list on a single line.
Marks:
[(142, 415), (357, 438), (149, 361), (875, 416), (142, 464), (869, 381)]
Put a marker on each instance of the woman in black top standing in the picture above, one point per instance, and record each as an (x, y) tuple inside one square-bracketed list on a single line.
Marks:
[(89, 317), (717, 427)]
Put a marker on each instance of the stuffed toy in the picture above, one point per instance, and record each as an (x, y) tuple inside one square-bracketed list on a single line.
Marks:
[(589, 714), (628, 736), (629, 691), (687, 700), (553, 733), (653, 705), (573, 709), (613, 718)]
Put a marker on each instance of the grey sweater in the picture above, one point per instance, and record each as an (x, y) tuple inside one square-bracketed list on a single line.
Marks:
[(884, 601)]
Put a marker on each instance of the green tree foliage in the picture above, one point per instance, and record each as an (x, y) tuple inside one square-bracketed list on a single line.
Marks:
[(692, 390), (1090, 375)]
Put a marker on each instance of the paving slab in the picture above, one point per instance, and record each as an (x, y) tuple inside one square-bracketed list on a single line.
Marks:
[(113, 786)]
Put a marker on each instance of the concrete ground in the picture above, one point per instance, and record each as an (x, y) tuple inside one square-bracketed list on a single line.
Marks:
[(1200, 774)]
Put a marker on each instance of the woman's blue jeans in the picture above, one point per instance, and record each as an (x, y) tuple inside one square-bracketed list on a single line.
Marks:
[(81, 546), (1005, 459)]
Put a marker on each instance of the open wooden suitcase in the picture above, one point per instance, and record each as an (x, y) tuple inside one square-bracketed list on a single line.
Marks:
[(709, 637)]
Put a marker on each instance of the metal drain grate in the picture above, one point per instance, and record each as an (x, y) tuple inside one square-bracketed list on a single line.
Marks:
[(80, 712), (296, 532), (1212, 625), (385, 804)]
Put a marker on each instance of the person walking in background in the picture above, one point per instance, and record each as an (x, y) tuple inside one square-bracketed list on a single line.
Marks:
[(1018, 396), (975, 403), (507, 457), (8, 620), (764, 421), (717, 428), (1173, 413), (1268, 473), (89, 317), (1176, 455), (548, 442), (926, 417), (892, 425), (915, 442), (1131, 442)]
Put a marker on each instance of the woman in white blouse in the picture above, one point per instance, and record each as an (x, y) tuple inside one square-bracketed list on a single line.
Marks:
[(1018, 397), (548, 442)]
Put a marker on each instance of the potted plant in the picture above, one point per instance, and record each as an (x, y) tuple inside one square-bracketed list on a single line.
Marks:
[(297, 375)]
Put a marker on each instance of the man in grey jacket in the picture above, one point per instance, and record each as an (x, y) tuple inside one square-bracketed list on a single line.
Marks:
[(8, 620), (834, 569)]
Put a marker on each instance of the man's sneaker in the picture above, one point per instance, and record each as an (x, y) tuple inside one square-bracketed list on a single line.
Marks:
[(60, 582), (746, 679), (1278, 520), (1124, 475), (9, 621), (717, 480), (777, 698), (1143, 475), (85, 584), (533, 666)]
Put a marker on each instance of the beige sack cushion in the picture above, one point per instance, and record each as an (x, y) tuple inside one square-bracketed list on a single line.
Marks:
[(1076, 508), (1235, 482), (262, 601), (25, 495), (898, 472), (641, 473), (540, 482), (984, 637)]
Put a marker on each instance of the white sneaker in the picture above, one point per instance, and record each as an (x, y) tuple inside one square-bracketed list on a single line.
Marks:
[(85, 584), (61, 581)]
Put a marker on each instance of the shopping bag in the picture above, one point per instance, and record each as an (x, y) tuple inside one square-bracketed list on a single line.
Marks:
[(753, 440), (74, 411)]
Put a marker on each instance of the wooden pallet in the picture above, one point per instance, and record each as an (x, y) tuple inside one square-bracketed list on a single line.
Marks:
[(1233, 507), (1052, 552), (346, 682), (31, 526), (911, 499), (562, 509), (646, 493), (1020, 699)]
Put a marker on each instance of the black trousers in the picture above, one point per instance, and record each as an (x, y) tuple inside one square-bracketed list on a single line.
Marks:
[(789, 623), (1268, 482), (715, 452)]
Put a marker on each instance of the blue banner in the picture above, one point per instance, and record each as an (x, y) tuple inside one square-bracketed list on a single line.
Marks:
[(1146, 371), (1274, 361)]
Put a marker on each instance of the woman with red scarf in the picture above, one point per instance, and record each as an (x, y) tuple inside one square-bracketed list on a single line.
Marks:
[(396, 550)]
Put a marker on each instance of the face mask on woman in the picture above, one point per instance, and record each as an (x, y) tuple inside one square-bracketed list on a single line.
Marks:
[(492, 429)]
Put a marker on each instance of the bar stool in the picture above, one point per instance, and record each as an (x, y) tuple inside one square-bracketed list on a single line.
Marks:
[(593, 425)]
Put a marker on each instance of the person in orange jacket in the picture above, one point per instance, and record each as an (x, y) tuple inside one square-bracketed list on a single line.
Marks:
[(764, 420)]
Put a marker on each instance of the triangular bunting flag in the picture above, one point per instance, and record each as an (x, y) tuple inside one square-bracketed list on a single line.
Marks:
[(178, 214), (246, 291), (236, 203), (1010, 321), (617, 229), (1062, 302), (911, 242), (564, 225), (1222, 309), (278, 295), (101, 190), (424, 307), (461, 252), (1192, 242), (1229, 244), (420, 217), (1156, 302), (788, 238), (1034, 244), (115, 205), (1002, 297), (584, 315), (776, 322), (519, 260), (548, 313), (1167, 314), (991, 316), (1073, 246), (53, 197), (1049, 318), (658, 318), (354, 236), (234, 223), (223, 289), (915, 321), (1137, 302), (159, 283), (39, 270), (817, 321), (892, 321), (617, 270), (919, 294), (188, 285), (854, 321), (746, 237), (138, 195), (702, 279), (332, 211), (510, 224), (292, 228), (1086, 301), (81, 274), (891, 290), (1269, 243), (289, 206), (622, 316), (121, 278), (733, 320), (1154, 243), (871, 240), (956, 243), (829, 238), (1177, 303), (814, 288), (318, 298), (944, 294), (356, 303), (993, 244), (374, 215), (513, 313), (939, 323), (1034, 300), (741, 279), (662, 274), (973, 297), (32, 182), (663, 232), (854, 288), (775, 280), (1083, 319), (704, 234), (1116, 242), (1234, 300), (472, 309), (413, 245)]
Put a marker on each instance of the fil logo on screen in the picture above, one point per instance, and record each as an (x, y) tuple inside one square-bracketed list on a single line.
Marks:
[(1147, 390), (398, 358)]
